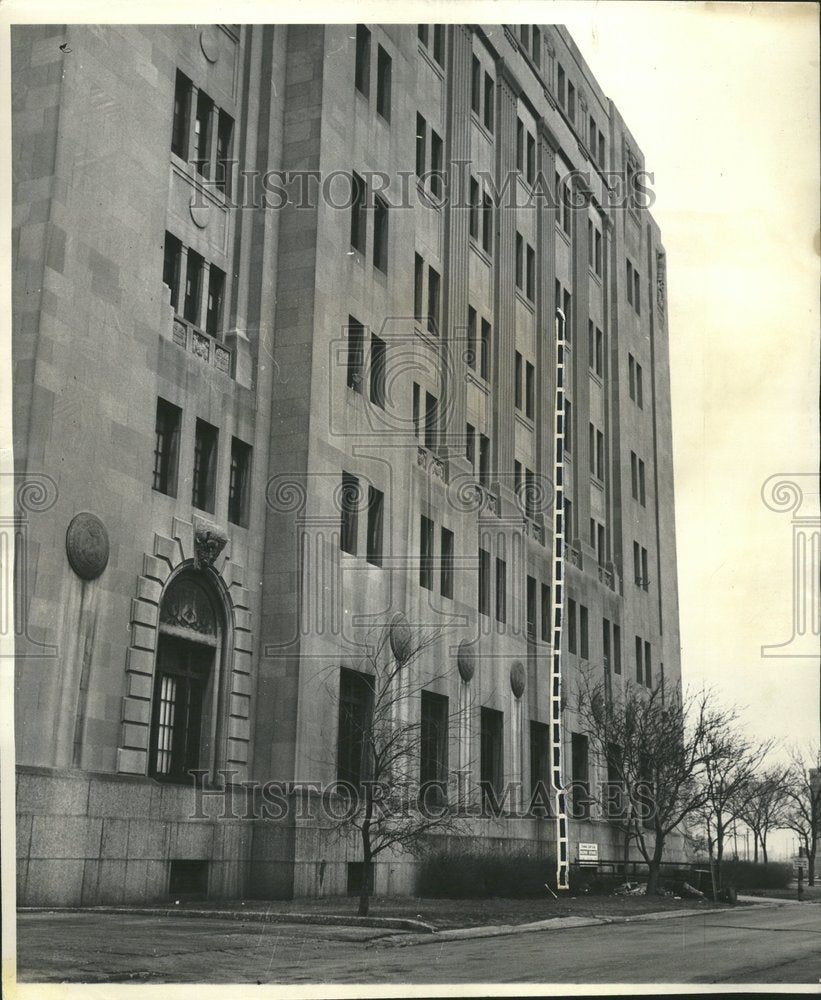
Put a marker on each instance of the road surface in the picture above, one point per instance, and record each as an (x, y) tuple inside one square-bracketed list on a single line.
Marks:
[(743, 945)]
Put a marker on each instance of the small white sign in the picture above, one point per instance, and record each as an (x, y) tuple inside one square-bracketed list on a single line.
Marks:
[(588, 854)]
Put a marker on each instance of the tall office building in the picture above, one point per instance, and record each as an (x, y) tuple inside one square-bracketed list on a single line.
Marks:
[(286, 309)]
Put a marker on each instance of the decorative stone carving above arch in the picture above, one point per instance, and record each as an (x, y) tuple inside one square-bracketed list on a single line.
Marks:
[(162, 569)]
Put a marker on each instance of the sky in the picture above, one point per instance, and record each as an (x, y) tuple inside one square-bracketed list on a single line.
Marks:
[(723, 100)]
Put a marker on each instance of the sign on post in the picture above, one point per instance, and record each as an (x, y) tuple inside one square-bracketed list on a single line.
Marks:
[(588, 854)]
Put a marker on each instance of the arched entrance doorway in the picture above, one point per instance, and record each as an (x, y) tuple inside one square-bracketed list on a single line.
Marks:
[(184, 717)]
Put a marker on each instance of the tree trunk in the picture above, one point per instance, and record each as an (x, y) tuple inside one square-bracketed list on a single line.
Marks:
[(365, 889), (719, 854), (626, 851), (764, 847), (654, 867), (811, 866)]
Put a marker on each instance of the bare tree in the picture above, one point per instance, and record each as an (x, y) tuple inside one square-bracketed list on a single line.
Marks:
[(663, 744), (393, 772), (802, 812), (764, 807)]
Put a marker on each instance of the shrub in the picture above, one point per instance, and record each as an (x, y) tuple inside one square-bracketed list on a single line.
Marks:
[(755, 874), (469, 875)]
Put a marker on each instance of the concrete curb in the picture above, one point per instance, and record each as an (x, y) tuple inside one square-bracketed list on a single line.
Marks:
[(258, 916)]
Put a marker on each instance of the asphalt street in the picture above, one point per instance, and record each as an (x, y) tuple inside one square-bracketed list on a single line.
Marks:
[(743, 945)]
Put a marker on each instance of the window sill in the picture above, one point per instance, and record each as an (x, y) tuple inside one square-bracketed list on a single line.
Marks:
[(525, 421), (480, 251), (480, 125), (431, 339), (595, 481), (479, 381), (594, 276), (528, 303), (595, 377), (430, 60)]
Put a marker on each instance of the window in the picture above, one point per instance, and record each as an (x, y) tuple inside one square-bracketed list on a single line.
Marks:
[(517, 385), (490, 764), (530, 494), (631, 375), (436, 165), (560, 84), (205, 466), (639, 388), (421, 133), (202, 133), (439, 43), (545, 613), (487, 223), (568, 316), (430, 421), (166, 447), (349, 521), (383, 84), (602, 157), (475, 86), (470, 444), (501, 590), (377, 371), (433, 739), (531, 158), (645, 576), (416, 415), (572, 646), (642, 495), (605, 639), (600, 549), (193, 288), (225, 136), (530, 274), (524, 34), (484, 582), (530, 378), (239, 482), (216, 291), (600, 456), (584, 650), (591, 434), (171, 268), (488, 109), (362, 74), (418, 282), (422, 33), (376, 508), (598, 365), (180, 693), (566, 209), (629, 283), (182, 116), (433, 301), (648, 677), (355, 715), (568, 519), (639, 670), (539, 766), (520, 145), (579, 768), (485, 372), (597, 253), (471, 351), (531, 609), (519, 261), (571, 102), (616, 649), (636, 292), (634, 475), (484, 460), (568, 426), (356, 354), (517, 478), (475, 202), (359, 198), (446, 566), (636, 564), (380, 234), (536, 47), (426, 553)]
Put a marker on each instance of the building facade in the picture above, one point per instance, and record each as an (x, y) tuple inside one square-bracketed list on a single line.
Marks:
[(289, 307)]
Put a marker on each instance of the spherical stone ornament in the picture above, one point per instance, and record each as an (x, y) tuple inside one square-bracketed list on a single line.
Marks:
[(400, 636), (87, 545), (466, 660), (518, 678)]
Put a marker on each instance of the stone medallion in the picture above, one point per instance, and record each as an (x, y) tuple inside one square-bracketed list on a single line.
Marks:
[(466, 660), (400, 636), (87, 545), (518, 678)]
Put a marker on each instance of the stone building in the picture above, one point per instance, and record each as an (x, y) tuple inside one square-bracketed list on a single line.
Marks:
[(258, 269)]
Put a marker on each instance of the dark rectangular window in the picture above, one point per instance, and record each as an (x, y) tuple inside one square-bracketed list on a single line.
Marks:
[(634, 475), (182, 116), (600, 544), (225, 139), (571, 102), (472, 348), (536, 46), (597, 253), (530, 273), (584, 649), (426, 553), (484, 582), (520, 144), (488, 117), (422, 33), (354, 724), (476, 86), (591, 448), (470, 444), (166, 447), (568, 519), (501, 590), (421, 134), (517, 383), (636, 565), (485, 372), (605, 639), (439, 43), (239, 482), (491, 769), (216, 294), (433, 301), (436, 165), (601, 150), (637, 292), (193, 288), (580, 775), (531, 609), (568, 426), (356, 354), (377, 371), (359, 199), (568, 317), (599, 362), (642, 495), (362, 74), (519, 261), (446, 566), (560, 84), (172, 255), (631, 375), (487, 223), (531, 158), (648, 674), (639, 388), (475, 205), (349, 519), (433, 739), (383, 84), (629, 283), (539, 765), (645, 576), (430, 421), (616, 649), (417, 421), (571, 626), (639, 668), (205, 466), (202, 133), (600, 455), (545, 613), (380, 234), (183, 671), (530, 378), (530, 495), (484, 460), (418, 285), (376, 511)]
